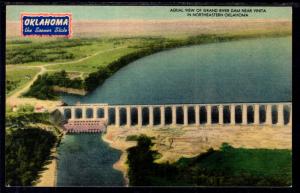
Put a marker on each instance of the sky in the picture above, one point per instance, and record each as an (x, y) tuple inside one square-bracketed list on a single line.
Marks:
[(135, 12)]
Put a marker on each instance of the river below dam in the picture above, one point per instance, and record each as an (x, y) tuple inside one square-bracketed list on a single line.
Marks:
[(85, 160), (252, 70)]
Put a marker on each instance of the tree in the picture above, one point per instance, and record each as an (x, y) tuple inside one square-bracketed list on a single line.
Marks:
[(25, 108), (140, 161)]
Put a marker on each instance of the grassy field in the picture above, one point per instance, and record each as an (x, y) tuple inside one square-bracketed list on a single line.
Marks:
[(91, 64), (17, 76)]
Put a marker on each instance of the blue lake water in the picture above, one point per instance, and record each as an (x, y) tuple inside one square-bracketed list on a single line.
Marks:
[(256, 70)]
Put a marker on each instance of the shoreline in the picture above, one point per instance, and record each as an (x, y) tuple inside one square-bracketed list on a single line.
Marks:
[(49, 175), (120, 165), (59, 89)]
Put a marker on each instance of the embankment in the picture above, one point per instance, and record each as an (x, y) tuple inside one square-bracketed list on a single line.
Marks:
[(75, 91)]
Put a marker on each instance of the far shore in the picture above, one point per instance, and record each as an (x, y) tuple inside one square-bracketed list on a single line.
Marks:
[(160, 27)]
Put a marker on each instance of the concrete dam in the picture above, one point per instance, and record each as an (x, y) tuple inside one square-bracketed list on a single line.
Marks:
[(96, 117)]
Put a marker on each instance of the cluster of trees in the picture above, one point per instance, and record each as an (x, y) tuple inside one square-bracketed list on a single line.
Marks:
[(25, 108), (209, 38), (25, 116), (26, 55), (225, 167), (140, 161), (20, 42), (27, 147), (26, 152), (42, 52), (42, 87), (11, 85), (95, 79)]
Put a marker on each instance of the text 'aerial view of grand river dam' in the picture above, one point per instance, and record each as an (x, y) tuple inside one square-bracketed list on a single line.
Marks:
[(251, 70)]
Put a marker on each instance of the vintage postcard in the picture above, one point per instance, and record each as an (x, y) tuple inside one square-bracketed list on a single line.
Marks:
[(109, 96)]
